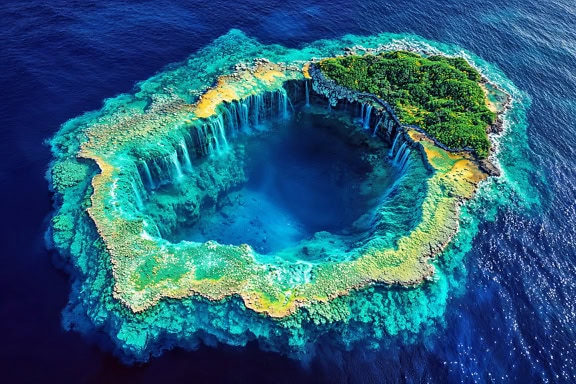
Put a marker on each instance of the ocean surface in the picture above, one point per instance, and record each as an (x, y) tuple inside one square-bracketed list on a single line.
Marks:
[(514, 319)]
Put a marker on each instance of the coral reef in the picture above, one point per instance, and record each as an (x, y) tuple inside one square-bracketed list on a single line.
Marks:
[(179, 132)]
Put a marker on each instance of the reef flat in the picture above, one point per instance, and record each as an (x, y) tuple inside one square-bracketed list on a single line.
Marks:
[(128, 176)]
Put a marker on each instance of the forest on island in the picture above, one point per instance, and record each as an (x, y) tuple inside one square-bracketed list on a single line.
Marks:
[(440, 94)]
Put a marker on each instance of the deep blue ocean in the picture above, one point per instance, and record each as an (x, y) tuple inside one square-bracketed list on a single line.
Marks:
[(514, 322)]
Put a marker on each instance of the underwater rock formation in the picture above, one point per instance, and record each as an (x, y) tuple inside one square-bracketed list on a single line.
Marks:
[(129, 176)]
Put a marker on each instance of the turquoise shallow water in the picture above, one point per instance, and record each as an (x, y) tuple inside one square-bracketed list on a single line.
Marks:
[(506, 284)]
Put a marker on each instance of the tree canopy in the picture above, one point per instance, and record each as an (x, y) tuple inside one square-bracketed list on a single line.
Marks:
[(440, 94)]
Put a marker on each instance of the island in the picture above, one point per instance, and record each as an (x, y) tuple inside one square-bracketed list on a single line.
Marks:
[(128, 179)]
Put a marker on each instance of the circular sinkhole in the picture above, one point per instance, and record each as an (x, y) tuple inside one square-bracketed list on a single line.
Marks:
[(305, 175), (312, 180)]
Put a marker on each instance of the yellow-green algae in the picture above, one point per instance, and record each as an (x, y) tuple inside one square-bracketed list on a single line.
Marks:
[(116, 255)]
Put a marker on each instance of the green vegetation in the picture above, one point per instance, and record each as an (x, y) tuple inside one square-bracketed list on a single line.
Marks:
[(440, 94)]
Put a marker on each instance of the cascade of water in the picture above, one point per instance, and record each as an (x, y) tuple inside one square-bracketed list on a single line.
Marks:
[(202, 139), (218, 131), (209, 143), (400, 153), (211, 136), (186, 155), (138, 182), (244, 117), (230, 113), (137, 194), (158, 172), (161, 170), (255, 100), (270, 103), (236, 117), (148, 174), (283, 101), (394, 145), (307, 94), (403, 161), (282, 105), (366, 119), (214, 139), (406, 163), (223, 130), (209, 146), (176, 164), (188, 142)]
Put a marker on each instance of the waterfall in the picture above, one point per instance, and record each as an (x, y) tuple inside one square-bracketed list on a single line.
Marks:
[(214, 137), (208, 137), (231, 118), (256, 109), (365, 114), (307, 94), (366, 118), (394, 145), (176, 164), (283, 104), (211, 139), (406, 162), (148, 174), (186, 155), (137, 194), (157, 171), (245, 123), (404, 159), (400, 153), (205, 145), (402, 156), (241, 115), (218, 131), (220, 122)]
